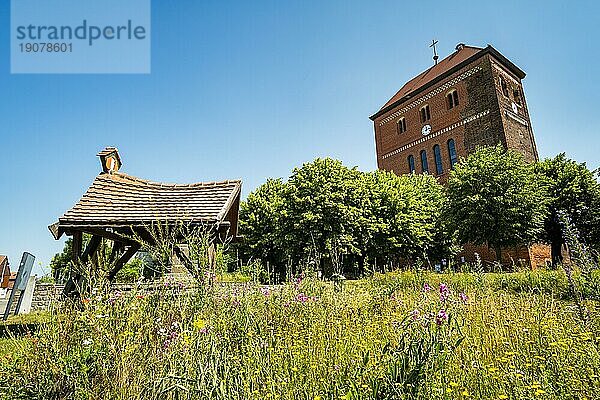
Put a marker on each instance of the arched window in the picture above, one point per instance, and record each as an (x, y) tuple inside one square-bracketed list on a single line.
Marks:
[(425, 113), (452, 153), (401, 127), (424, 165), (437, 154), (452, 99), (517, 95), (411, 163), (503, 86)]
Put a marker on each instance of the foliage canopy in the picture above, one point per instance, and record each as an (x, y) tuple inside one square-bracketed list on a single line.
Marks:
[(341, 220), (573, 191), (496, 198)]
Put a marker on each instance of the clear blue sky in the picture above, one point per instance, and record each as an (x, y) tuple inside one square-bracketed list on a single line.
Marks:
[(251, 89)]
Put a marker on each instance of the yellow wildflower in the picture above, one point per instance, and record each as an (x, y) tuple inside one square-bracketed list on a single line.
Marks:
[(199, 324)]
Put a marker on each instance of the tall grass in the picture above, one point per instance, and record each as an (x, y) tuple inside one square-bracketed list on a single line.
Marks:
[(393, 336)]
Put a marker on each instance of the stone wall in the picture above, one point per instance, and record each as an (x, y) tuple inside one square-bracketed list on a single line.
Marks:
[(44, 294)]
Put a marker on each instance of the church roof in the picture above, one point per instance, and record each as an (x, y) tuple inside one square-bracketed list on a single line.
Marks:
[(116, 199), (463, 55)]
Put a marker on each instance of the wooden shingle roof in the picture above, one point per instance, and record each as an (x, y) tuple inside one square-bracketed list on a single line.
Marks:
[(117, 199)]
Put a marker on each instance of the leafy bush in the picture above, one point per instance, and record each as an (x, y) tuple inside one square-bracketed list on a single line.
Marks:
[(131, 272)]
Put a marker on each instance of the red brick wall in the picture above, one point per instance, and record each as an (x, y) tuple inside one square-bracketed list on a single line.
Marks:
[(536, 255), (477, 107), (518, 134), (484, 117)]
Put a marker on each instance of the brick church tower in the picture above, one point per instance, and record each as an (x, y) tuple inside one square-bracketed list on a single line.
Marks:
[(474, 97)]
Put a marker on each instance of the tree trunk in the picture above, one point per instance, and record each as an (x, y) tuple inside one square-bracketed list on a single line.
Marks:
[(556, 248), (498, 253)]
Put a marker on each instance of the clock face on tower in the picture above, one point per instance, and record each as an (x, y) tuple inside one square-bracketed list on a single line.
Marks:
[(426, 130)]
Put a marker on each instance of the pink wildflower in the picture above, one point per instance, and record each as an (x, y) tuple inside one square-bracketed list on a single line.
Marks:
[(415, 314), (444, 292), (302, 298), (441, 317)]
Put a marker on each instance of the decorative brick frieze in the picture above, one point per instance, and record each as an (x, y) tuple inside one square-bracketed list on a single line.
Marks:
[(437, 133)]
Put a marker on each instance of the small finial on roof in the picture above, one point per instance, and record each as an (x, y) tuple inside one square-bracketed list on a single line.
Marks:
[(110, 160)]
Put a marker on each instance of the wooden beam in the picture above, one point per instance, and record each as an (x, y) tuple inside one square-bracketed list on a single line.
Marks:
[(116, 250), (143, 234), (114, 236), (91, 248), (130, 252), (183, 257), (188, 264), (77, 242)]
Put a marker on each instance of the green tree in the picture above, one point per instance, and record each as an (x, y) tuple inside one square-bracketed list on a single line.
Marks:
[(407, 218), (495, 198), (60, 263), (323, 217), (339, 218), (574, 191), (260, 225)]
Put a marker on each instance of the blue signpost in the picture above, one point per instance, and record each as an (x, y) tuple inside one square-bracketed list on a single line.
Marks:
[(20, 282)]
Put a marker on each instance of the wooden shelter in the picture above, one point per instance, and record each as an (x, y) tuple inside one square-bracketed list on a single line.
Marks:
[(118, 207)]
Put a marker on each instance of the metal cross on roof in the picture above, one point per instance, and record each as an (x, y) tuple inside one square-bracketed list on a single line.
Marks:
[(435, 55)]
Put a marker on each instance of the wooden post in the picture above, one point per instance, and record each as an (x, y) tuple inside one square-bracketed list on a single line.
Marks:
[(77, 243), (116, 250), (71, 287), (130, 252), (91, 248)]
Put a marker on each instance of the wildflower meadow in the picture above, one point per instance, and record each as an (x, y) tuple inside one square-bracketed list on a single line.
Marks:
[(403, 335)]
